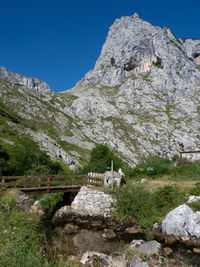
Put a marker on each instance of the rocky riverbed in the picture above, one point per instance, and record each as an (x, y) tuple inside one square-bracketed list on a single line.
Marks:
[(86, 232)]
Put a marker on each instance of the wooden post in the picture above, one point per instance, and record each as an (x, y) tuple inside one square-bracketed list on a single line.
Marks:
[(39, 181), (48, 184), (3, 182), (112, 179)]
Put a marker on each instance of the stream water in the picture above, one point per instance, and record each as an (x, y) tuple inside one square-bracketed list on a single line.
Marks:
[(84, 240), (92, 240), (89, 238)]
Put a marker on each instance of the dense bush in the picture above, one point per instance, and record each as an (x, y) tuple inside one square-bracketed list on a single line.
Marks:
[(144, 207), (49, 202), (156, 166), (168, 197), (195, 205), (135, 202), (100, 160), (195, 190), (25, 157), (150, 167)]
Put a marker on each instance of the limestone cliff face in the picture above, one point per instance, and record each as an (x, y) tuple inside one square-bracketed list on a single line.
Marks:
[(29, 82), (142, 98)]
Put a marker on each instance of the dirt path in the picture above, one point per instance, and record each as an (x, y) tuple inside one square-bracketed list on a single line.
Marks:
[(186, 186)]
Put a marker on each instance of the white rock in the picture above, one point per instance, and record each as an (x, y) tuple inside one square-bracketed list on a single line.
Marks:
[(92, 202), (150, 248), (136, 243), (182, 222), (138, 262), (193, 199)]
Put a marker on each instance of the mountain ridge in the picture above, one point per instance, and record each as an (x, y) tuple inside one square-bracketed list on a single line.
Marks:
[(142, 98)]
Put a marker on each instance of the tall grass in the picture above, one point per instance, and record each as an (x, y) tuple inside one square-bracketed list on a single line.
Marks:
[(22, 237), (157, 167), (144, 207)]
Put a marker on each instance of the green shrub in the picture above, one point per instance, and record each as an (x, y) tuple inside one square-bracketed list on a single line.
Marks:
[(100, 160), (195, 190), (50, 201), (156, 166), (26, 158), (143, 207), (135, 202), (168, 197), (112, 61), (195, 206), (175, 157), (158, 63), (153, 166), (7, 202)]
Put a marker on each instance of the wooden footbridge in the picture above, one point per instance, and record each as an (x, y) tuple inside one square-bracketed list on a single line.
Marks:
[(46, 184)]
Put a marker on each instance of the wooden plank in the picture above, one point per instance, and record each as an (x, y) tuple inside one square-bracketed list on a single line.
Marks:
[(48, 185), (22, 184), (42, 177), (53, 189)]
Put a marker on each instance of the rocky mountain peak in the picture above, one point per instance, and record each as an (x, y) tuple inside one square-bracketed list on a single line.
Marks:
[(142, 98), (135, 15), (29, 82), (134, 46)]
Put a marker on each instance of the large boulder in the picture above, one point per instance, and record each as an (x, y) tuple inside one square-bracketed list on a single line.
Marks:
[(36, 208), (150, 248), (88, 202), (93, 258), (138, 262), (182, 222), (95, 203)]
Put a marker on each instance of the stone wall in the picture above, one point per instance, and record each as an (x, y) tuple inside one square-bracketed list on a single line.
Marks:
[(191, 156), (92, 202)]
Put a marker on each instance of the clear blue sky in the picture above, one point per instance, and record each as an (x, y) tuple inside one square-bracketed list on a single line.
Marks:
[(59, 41)]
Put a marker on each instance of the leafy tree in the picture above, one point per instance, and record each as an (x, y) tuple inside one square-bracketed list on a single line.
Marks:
[(4, 157), (100, 159), (25, 157)]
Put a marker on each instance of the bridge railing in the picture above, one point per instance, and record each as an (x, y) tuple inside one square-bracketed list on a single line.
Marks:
[(48, 181)]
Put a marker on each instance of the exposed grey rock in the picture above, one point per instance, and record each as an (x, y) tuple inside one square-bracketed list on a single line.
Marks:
[(144, 87), (92, 259), (23, 201), (77, 141), (64, 212), (192, 48), (182, 222), (136, 243), (36, 208), (193, 199), (89, 257), (53, 149), (109, 234), (93, 203), (138, 262), (150, 248), (29, 82)]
